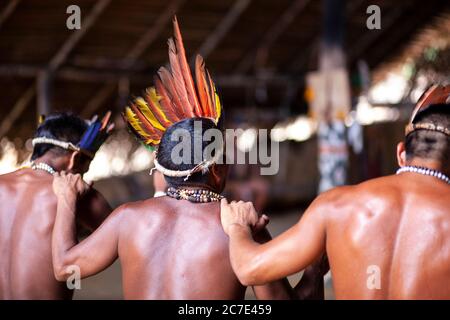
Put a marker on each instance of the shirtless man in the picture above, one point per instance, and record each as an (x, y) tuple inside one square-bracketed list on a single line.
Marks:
[(169, 248), (28, 211), (387, 238), (173, 246)]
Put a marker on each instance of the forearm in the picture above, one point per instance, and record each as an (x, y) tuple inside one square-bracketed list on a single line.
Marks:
[(64, 235), (275, 290), (244, 254)]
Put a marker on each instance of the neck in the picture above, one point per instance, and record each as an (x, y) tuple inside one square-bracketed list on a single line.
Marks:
[(56, 163), (198, 187), (429, 164)]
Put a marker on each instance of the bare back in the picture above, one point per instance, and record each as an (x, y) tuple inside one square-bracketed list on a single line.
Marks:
[(397, 227), (174, 249), (27, 213), (27, 216)]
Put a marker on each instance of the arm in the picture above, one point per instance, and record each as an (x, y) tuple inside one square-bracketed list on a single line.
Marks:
[(288, 253), (93, 254), (277, 290)]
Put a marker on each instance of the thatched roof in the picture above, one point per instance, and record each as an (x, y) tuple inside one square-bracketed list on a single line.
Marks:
[(122, 43)]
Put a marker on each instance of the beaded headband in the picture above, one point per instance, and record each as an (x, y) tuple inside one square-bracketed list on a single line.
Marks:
[(436, 94), (94, 136), (201, 167)]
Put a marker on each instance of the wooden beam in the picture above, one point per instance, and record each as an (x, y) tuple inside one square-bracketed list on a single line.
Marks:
[(401, 35), (299, 60), (111, 76), (271, 36), (144, 42), (17, 110), (19, 70), (371, 36), (222, 29), (147, 39), (43, 84), (60, 57), (8, 11), (98, 99)]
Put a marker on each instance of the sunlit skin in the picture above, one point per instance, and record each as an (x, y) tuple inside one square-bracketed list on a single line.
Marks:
[(168, 248), (27, 215), (399, 223)]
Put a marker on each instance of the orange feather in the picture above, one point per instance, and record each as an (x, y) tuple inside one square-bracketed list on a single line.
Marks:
[(169, 108), (168, 83), (181, 54), (202, 87)]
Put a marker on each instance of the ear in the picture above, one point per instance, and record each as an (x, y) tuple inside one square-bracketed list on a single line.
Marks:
[(401, 154), (73, 160), (219, 174), (219, 171)]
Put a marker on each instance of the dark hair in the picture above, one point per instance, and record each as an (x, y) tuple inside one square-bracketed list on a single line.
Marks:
[(169, 141), (61, 126), (427, 144)]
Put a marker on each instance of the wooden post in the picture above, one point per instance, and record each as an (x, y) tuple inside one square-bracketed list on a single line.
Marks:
[(333, 156), (43, 90)]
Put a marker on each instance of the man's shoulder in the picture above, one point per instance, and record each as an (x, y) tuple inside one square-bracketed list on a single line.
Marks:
[(368, 187), (384, 187), (359, 196), (7, 177), (23, 179), (153, 205)]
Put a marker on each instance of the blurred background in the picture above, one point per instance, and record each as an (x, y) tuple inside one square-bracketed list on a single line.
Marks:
[(333, 81)]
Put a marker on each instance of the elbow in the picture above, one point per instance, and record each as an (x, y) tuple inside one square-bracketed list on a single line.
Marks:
[(250, 274), (63, 271), (60, 275), (246, 279)]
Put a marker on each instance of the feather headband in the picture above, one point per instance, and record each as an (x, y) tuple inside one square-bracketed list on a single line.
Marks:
[(436, 94), (94, 136), (174, 97)]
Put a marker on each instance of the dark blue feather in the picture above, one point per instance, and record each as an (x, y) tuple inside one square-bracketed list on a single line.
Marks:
[(89, 136)]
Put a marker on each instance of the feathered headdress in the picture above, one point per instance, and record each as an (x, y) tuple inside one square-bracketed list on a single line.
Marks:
[(436, 94), (174, 97), (94, 136)]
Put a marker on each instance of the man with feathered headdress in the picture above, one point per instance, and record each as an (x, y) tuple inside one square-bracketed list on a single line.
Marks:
[(28, 205), (170, 247)]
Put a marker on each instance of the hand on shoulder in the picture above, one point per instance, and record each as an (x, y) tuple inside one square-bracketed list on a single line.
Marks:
[(67, 184)]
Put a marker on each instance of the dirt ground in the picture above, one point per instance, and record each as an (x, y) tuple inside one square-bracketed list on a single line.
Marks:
[(108, 284)]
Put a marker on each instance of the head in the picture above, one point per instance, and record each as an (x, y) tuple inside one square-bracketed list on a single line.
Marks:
[(64, 127), (428, 148), (173, 143)]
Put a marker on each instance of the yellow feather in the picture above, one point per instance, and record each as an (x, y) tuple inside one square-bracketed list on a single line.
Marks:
[(143, 107), (155, 98), (218, 106), (134, 122)]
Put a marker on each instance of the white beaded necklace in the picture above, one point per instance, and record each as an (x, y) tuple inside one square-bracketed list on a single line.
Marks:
[(43, 166), (425, 171)]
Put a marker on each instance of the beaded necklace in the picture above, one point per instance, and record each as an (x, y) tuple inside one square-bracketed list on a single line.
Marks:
[(194, 195)]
